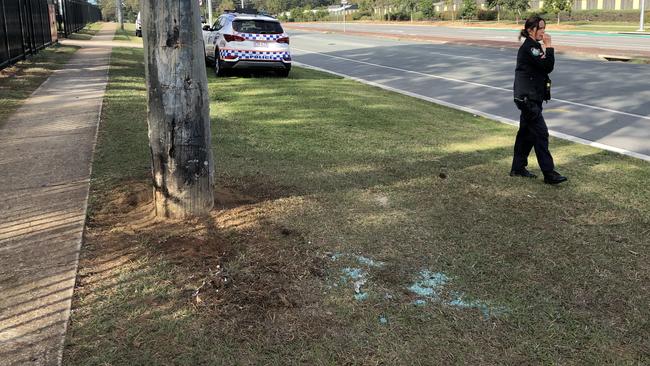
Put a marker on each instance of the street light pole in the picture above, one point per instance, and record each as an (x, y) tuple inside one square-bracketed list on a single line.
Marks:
[(210, 12), (344, 4), (642, 15)]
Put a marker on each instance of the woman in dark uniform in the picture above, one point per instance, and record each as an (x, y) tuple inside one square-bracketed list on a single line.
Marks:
[(532, 87)]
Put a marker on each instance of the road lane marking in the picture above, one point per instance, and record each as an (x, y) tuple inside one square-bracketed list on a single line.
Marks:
[(495, 117), (475, 84), (458, 56)]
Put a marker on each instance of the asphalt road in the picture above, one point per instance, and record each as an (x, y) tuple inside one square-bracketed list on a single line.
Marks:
[(613, 41), (605, 104)]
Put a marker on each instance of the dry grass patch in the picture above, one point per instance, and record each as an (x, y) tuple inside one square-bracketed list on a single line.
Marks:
[(357, 226)]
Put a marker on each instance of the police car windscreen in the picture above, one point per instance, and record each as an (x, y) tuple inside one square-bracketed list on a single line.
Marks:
[(257, 26)]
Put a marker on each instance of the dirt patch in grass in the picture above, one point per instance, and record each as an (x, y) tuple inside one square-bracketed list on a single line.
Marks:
[(237, 271)]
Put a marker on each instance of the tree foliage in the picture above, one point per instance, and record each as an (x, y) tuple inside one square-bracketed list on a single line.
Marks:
[(519, 7), (497, 5), (469, 9), (426, 7), (316, 9), (130, 9), (557, 6), (225, 5)]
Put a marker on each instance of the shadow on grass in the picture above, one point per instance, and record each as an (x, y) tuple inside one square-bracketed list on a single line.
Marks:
[(19, 81), (86, 33), (312, 165), (195, 268)]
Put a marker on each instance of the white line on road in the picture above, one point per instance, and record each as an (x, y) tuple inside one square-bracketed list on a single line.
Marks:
[(481, 113), (457, 56), (475, 84)]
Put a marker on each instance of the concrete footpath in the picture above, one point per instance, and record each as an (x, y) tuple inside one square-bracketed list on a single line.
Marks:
[(45, 160)]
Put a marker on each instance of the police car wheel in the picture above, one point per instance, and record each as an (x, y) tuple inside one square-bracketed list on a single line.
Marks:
[(283, 73)]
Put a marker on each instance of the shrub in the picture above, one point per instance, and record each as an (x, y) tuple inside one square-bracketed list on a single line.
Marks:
[(447, 15), (361, 14), (468, 10), (400, 15), (486, 14), (418, 15), (603, 15), (426, 6), (582, 15), (322, 14)]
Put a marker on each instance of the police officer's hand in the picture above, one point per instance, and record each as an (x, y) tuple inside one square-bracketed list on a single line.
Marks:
[(546, 38)]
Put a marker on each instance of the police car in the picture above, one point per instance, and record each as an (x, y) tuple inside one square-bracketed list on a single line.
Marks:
[(247, 41)]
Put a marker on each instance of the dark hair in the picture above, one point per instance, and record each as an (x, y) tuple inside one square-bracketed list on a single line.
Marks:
[(532, 22)]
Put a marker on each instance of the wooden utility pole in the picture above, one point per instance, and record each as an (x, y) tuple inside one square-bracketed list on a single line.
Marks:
[(178, 108), (118, 13)]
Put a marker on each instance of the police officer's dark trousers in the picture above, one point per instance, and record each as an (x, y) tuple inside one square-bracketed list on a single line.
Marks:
[(532, 133)]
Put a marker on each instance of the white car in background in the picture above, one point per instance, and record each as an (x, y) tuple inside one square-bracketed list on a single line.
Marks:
[(247, 41), (138, 24)]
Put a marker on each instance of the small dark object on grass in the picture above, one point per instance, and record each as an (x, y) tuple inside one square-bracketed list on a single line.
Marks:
[(442, 176), (286, 231)]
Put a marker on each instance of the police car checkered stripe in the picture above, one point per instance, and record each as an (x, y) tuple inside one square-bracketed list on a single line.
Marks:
[(255, 55), (262, 37)]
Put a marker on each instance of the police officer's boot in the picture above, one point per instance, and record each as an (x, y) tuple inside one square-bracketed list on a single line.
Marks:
[(522, 173), (554, 178)]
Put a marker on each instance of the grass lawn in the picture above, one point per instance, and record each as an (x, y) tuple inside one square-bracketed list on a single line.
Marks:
[(357, 226), (87, 32), (605, 26), (19, 81), (128, 34)]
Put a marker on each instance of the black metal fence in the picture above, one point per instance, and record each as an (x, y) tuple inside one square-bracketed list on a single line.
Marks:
[(26, 26), (78, 13)]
